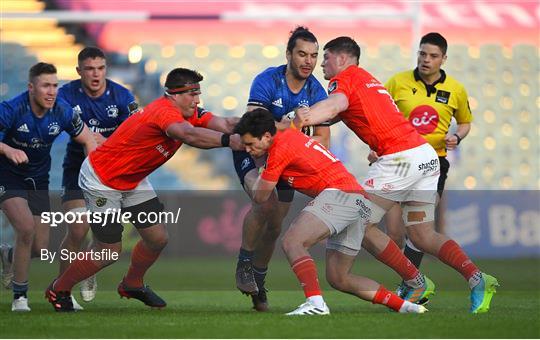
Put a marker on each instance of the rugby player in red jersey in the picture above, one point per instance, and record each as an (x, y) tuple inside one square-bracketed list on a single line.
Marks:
[(406, 171), (114, 179), (339, 211)]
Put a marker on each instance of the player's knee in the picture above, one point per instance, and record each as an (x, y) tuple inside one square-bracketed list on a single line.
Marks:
[(76, 233), (159, 241), (289, 243), (397, 238), (335, 280), (25, 235)]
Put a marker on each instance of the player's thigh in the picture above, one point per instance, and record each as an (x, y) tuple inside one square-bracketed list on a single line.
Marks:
[(305, 230), (344, 214), (18, 214)]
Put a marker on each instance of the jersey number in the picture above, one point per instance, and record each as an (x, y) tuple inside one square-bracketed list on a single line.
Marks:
[(325, 152)]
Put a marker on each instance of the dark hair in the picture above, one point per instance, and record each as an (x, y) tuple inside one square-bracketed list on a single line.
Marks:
[(90, 52), (344, 45), (39, 69), (300, 32), (257, 123), (436, 39), (182, 76)]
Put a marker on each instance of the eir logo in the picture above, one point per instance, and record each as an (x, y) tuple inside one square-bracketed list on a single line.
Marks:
[(425, 119)]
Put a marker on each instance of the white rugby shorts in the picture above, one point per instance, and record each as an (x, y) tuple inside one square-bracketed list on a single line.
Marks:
[(410, 175), (346, 215), (100, 197)]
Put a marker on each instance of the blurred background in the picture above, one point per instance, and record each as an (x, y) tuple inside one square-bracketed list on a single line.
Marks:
[(493, 202)]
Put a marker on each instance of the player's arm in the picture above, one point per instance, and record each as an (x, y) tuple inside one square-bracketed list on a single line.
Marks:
[(262, 189), (463, 117), (86, 139), (14, 155), (223, 124), (203, 138), (461, 132), (323, 111), (321, 134)]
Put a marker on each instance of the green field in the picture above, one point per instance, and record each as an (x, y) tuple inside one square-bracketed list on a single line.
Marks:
[(202, 303)]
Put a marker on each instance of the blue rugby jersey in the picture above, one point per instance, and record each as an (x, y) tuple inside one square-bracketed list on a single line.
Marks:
[(103, 114), (21, 129)]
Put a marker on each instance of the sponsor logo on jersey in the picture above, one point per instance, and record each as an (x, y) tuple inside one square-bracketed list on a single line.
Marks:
[(133, 107), (332, 86), (369, 183), (54, 129), (278, 102), (112, 111), (424, 118), (23, 128), (327, 208), (414, 90), (442, 96), (162, 151), (290, 181), (94, 122)]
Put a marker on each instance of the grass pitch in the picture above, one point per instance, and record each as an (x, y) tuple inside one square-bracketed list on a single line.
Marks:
[(202, 303)]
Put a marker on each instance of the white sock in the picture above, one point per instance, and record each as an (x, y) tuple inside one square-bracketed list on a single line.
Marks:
[(475, 279), (317, 301)]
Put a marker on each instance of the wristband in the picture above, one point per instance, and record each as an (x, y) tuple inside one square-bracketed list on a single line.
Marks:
[(225, 140), (458, 138)]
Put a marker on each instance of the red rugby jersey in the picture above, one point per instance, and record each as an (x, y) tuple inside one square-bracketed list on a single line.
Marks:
[(306, 165), (372, 114), (140, 145)]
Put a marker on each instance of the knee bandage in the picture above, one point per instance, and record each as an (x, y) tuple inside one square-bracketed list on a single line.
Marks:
[(415, 214)]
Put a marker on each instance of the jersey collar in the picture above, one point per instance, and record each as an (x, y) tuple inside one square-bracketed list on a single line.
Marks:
[(430, 88)]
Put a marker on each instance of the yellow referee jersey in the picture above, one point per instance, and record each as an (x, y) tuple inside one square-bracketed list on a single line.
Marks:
[(430, 108)]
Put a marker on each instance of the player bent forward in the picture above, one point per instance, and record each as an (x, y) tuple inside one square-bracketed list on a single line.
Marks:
[(338, 212), (114, 177)]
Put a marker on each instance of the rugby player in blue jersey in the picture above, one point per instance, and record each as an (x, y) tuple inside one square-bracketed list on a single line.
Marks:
[(280, 90), (29, 123), (103, 105)]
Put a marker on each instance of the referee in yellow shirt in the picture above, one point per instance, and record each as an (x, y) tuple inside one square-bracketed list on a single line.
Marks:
[(429, 98)]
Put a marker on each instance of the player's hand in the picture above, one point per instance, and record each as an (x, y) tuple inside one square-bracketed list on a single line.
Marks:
[(301, 116), (372, 157), (16, 156), (235, 143), (451, 142), (98, 137)]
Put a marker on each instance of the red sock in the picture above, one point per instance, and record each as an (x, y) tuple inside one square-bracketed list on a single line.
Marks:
[(306, 272), (452, 254), (142, 258), (77, 271), (394, 258), (387, 298)]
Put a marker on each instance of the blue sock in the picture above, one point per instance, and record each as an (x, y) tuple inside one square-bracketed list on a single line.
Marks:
[(19, 289), (260, 275), (245, 255)]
